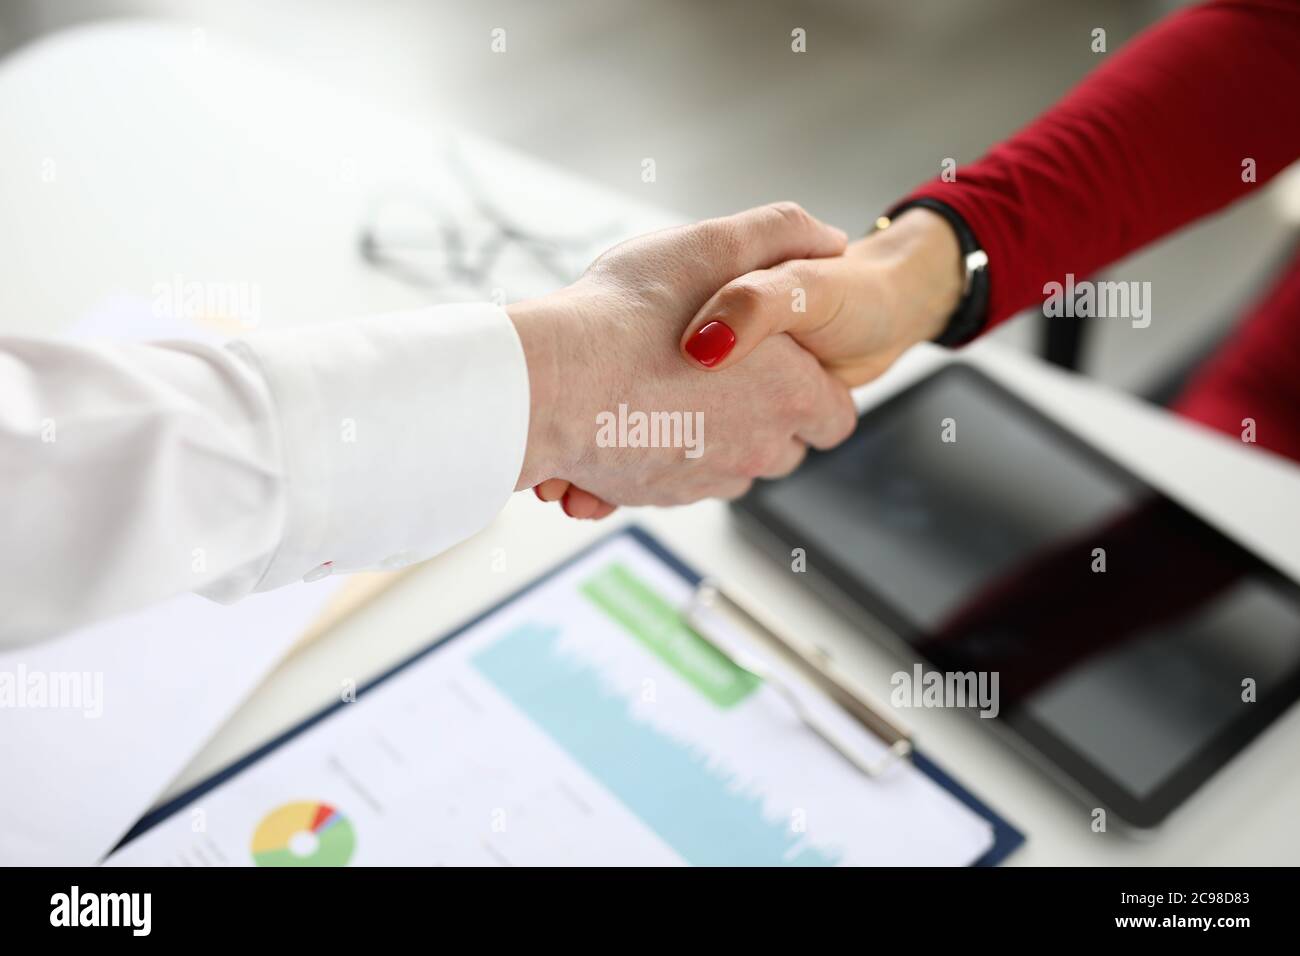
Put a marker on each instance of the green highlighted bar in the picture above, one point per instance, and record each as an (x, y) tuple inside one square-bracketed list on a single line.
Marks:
[(659, 626)]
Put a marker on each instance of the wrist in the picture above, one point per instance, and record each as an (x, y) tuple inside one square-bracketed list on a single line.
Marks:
[(541, 325), (927, 273)]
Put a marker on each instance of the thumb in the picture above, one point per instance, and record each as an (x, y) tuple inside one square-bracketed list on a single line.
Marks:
[(800, 297)]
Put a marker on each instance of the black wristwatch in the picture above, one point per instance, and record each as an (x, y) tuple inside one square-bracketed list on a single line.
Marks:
[(971, 314)]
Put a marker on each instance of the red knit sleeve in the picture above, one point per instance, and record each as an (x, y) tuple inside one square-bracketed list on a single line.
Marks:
[(1156, 137), (1256, 374)]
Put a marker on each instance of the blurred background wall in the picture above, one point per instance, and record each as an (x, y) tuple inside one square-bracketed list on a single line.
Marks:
[(886, 90)]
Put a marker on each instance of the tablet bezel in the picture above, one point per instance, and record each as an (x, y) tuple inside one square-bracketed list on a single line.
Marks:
[(780, 536)]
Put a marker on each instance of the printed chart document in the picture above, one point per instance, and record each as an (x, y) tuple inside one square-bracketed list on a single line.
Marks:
[(580, 723)]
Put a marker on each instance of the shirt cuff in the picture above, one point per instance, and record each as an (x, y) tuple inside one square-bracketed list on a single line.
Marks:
[(400, 434)]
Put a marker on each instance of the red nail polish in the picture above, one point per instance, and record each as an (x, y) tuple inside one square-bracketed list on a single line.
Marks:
[(711, 343), (564, 503), (537, 490)]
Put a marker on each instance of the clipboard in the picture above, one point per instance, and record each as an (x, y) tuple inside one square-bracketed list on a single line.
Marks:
[(707, 594)]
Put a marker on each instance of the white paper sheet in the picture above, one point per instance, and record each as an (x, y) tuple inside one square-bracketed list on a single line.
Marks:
[(580, 724), (154, 687)]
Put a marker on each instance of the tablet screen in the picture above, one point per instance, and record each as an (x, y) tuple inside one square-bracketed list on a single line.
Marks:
[(1121, 626)]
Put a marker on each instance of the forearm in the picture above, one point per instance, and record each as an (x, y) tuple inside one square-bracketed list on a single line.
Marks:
[(120, 486), (1153, 139), (135, 472)]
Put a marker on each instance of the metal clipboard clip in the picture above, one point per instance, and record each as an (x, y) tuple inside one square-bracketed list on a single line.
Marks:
[(709, 597)]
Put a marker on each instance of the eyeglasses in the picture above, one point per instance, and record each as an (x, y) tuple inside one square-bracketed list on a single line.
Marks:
[(422, 241)]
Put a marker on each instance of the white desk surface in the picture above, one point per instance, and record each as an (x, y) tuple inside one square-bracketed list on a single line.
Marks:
[(174, 154)]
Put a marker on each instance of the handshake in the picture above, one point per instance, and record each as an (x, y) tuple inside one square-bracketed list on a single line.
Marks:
[(753, 327)]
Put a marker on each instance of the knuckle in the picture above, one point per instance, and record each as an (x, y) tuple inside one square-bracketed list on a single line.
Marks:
[(754, 461), (808, 402), (801, 397), (792, 214), (742, 297), (840, 417), (789, 465)]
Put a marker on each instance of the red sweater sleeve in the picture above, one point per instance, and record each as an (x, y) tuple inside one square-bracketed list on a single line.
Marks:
[(1256, 374), (1151, 140)]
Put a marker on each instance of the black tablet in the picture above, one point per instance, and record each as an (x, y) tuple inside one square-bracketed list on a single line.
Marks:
[(1136, 647)]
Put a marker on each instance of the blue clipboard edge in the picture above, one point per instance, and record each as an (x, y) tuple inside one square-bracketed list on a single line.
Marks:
[(1006, 838)]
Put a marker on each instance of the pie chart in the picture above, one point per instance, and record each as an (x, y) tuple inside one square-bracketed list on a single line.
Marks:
[(306, 833)]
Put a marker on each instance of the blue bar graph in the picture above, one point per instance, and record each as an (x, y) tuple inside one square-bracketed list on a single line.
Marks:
[(707, 818)]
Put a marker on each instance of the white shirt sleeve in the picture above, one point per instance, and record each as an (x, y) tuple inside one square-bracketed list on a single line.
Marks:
[(134, 472)]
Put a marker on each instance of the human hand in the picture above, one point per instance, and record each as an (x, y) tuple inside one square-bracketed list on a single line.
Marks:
[(610, 340), (861, 311)]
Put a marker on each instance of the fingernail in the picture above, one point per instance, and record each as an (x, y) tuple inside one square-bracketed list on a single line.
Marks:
[(711, 343), (564, 503), (537, 490)]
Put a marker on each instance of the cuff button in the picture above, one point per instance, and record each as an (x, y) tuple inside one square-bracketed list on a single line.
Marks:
[(318, 572)]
